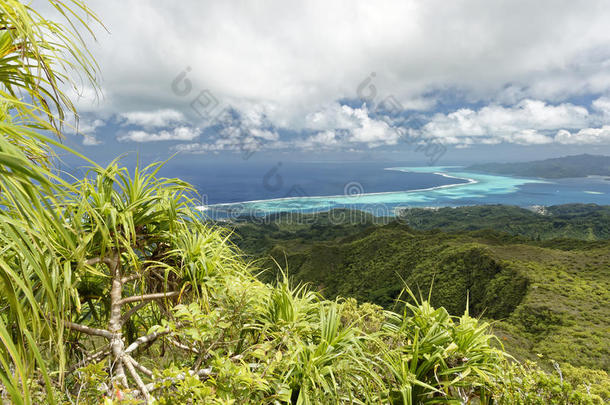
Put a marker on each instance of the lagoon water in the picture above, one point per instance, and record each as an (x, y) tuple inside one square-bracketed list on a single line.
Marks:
[(379, 188)]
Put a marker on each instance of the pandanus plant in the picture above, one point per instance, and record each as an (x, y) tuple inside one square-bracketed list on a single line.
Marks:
[(437, 358), (37, 59), (140, 242)]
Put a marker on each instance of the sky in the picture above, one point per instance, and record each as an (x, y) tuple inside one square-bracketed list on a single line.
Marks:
[(424, 81)]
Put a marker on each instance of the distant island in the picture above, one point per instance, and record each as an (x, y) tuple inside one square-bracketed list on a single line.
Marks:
[(557, 168)]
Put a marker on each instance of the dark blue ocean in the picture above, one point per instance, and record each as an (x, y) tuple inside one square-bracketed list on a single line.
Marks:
[(240, 188), (250, 181)]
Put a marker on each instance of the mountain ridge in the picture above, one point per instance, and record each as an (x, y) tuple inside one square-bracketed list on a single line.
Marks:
[(555, 168)]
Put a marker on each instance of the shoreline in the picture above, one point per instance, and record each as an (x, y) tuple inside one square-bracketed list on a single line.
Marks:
[(442, 174)]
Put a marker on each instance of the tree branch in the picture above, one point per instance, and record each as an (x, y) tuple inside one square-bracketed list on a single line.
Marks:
[(148, 297), (111, 263), (88, 330), (140, 367), (97, 356), (130, 278), (155, 385), (151, 265), (146, 339), (136, 377), (132, 311), (183, 346), (136, 276)]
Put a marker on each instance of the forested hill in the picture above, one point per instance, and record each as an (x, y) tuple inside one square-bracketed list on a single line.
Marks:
[(564, 167), (569, 221), (545, 294)]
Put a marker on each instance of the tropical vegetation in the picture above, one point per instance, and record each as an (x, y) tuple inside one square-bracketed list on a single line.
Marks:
[(541, 289), (113, 290)]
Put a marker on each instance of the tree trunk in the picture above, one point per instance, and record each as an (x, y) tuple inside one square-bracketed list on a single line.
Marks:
[(115, 325)]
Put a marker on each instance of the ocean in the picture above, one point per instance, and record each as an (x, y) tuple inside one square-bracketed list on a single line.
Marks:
[(380, 188)]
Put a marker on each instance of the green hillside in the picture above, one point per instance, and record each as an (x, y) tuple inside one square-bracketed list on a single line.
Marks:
[(546, 296), (570, 221)]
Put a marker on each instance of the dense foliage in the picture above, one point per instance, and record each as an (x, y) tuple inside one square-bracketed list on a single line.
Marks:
[(545, 296), (114, 291), (569, 221), (548, 225), (155, 305)]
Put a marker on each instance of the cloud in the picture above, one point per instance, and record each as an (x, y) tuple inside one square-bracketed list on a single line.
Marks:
[(519, 124), (331, 116), (264, 134), (476, 72), (339, 126), (235, 138), (373, 132), (584, 136), (528, 137), (292, 59), (196, 148), (90, 140), (150, 119), (88, 129), (336, 126), (322, 140), (602, 105), (358, 124), (176, 134)]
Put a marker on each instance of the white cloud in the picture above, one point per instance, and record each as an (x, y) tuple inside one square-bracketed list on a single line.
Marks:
[(176, 134), (332, 116), (196, 148), (528, 137), (585, 136), (264, 134), (149, 119), (357, 123), (602, 105), (88, 129), (341, 127), (322, 140), (287, 66), (293, 59), (91, 140), (373, 132), (520, 124), (235, 138)]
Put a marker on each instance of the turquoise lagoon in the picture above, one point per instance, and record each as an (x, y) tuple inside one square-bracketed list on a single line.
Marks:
[(468, 189)]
